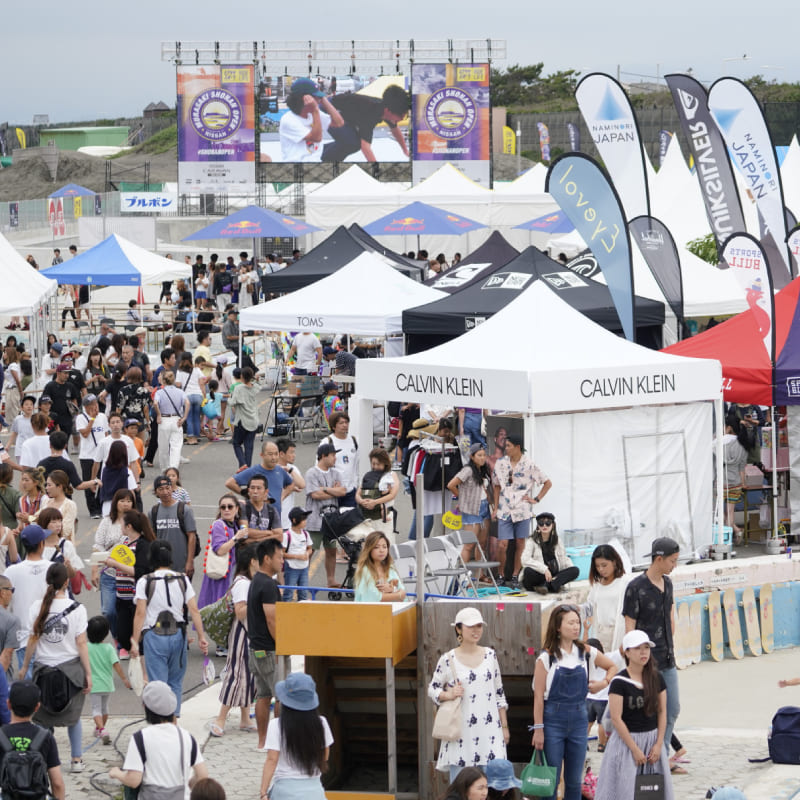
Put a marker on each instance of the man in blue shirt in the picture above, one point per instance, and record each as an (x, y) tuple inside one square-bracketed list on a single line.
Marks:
[(279, 481)]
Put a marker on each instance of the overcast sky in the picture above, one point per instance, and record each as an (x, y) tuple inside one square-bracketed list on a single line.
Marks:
[(87, 59)]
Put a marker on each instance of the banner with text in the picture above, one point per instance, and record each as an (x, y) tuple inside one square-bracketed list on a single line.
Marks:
[(658, 248), (738, 116), (451, 113), (216, 128), (746, 260), (612, 125), (574, 136), (664, 138), (587, 197), (707, 147), (794, 246), (544, 140), (148, 202)]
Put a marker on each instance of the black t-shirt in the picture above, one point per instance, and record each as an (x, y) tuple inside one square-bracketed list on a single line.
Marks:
[(363, 113), (652, 610), (59, 393), (633, 714), (60, 462), (204, 321), (263, 589), (21, 734)]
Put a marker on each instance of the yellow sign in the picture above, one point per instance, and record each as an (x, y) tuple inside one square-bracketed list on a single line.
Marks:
[(470, 74), (451, 520), (509, 141), (124, 555), (235, 75), (77, 207)]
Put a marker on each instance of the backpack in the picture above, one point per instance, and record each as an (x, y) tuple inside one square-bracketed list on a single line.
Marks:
[(783, 739), (181, 522), (166, 624), (23, 773)]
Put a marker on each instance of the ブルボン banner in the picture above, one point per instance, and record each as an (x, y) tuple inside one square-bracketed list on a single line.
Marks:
[(216, 128), (574, 136), (741, 123), (714, 173), (658, 248), (587, 197), (612, 125), (746, 260), (450, 111)]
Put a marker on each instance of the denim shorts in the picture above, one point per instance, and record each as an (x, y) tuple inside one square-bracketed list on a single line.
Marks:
[(477, 519)]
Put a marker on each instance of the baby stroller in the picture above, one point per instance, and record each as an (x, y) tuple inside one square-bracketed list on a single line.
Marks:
[(348, 529)]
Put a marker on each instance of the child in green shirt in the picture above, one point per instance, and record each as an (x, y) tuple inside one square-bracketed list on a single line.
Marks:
[(102, 659)]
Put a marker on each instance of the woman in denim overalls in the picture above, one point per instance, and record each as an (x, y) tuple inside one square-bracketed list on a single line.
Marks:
[(560, 685)]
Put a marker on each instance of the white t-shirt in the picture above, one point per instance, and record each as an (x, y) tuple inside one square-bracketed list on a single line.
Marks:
[(162, 749), (158, 602), (296, 544), (599, 674), (239, 590), (101, 454), (90, 443), (307, 346), (285, 768), (34, 450), (293, 130), (346, 459), (29, 579), (69, 551), (567, 661), (22, 427), (58, 644)]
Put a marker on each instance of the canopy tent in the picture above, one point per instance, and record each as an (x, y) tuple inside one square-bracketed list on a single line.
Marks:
[(494, 252), (118, 262), (253, 222), (365, 297), (790, 177), (492, 290), (450, 187), (421, 218), (371, 243), (645, 464), (557, 222), (340, 248), (530, 182), (72, 190), (24, 288)]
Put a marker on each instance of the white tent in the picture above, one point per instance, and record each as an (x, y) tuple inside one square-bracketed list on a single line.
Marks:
[(366, 297), (790, 177), (24, 288), (530, 182), (641, 453)]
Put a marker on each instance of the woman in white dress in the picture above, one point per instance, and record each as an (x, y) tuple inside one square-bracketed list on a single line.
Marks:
[(603, 607), (472, 673)]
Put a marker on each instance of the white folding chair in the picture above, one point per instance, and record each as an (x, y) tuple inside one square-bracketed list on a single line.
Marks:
[(441, 561), (462, 538)]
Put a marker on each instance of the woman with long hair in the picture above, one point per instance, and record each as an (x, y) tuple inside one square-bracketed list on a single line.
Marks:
[(96, 374), (116, 475), (191, 380), (56, 547), (57, 644), (637, 706), (560, 685), (546, 565), (59, 493), (31, 487), (376, 579), (237, 687), (225, 535), (378, 490), (108, 535), (471, 672), (298, 743), (603, 608), (472, 487), (138, 536), (179, 493), (469, 784)]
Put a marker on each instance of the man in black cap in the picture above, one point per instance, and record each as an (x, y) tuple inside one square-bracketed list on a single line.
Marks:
[(649, 606), (174, 521), (306, 122), (66, 397)]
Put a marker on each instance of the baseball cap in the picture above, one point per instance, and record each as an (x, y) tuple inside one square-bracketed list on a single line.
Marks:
[(57, 346), (66, 357), (76, 348), (306, 86), (63, 368), (328, 350), (636, 639), (89, 399), (298, 514), (664, 546), (161, 480), (45, 398), (23, 697), (468, 617), (326, 450), (33, 534), (139, 331), (545, 515), (159, 698), (328, 385), (132, 421)]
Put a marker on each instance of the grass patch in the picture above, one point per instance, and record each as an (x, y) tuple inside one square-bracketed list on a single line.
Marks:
[(161, 142)]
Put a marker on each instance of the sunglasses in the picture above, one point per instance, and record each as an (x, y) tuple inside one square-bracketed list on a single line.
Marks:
[(7, 589), (227, 507), (545, 523)]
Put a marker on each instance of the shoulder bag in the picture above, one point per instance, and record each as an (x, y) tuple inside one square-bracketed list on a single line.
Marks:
[(447, 722), (538, 779)]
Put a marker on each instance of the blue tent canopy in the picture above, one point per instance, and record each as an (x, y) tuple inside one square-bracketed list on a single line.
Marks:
[(420, 218), (557, 222), (251, 223), (73, 190)]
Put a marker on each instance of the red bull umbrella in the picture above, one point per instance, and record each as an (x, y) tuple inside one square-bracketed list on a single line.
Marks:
[(253, 223), (420, 218)]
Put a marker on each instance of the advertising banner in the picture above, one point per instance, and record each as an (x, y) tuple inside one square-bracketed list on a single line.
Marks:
[(77, 206), (13, 215), (509, 141), (216, 128), (608, 115), (451, 114), (738, 116), (659, 251), (664, 138), (148, 202), (55, 215), (587, 197), (794, 246), (710, 156), (544, 140), (746, 260), (574, 136)]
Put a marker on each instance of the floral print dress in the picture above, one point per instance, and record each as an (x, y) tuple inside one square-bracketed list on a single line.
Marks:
[(482, 730)]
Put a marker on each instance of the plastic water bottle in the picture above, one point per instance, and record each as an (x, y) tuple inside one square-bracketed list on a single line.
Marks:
[(789, 552)]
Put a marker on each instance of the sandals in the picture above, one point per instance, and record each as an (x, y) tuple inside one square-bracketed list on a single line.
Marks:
[(601, 748), (677, 769), (215, 730), (248, 728)]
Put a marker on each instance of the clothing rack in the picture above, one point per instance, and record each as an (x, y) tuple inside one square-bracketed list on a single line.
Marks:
[(432, 440)]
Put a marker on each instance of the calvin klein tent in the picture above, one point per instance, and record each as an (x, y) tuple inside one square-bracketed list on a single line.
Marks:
[(365, 297), (494, 252), (118, 262), (494, 289), (639, 463), (340, 248)]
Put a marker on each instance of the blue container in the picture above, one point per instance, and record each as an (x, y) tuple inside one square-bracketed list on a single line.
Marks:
[(727, 534), (582, 559)]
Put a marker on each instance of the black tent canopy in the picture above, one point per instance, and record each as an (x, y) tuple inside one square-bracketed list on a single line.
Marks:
[(493, 289), (494, 252)]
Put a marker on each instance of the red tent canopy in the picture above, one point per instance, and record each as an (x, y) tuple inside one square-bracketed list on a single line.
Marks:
[(747, 376)]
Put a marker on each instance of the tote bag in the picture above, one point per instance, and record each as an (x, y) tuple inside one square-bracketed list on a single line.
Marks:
[(447, 722), (538, 780)]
